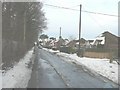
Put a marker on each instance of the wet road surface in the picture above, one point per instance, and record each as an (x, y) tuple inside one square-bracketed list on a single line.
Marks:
[(51, 71)]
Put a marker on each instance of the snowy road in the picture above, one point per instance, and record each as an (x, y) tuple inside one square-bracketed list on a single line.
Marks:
[(50, 71)]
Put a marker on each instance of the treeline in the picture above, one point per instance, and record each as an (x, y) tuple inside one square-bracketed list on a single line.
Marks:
[(21, 24)]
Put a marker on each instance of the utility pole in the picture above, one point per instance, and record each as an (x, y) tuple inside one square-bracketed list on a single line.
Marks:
[(24, 37), (60, 34), (60, 39), (79, 30)]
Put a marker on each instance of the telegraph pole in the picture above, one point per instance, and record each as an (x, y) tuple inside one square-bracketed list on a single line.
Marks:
[(60, 38), (79, 30), (60, 34), (24, 37)]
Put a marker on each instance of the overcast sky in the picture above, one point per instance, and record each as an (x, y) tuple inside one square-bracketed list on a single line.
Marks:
[(92, 24)]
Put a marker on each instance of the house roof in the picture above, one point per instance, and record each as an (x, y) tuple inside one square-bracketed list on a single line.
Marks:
[(106, 32), (73, 42), (101, 37), (82, 40), (90, 41), (99, 40)]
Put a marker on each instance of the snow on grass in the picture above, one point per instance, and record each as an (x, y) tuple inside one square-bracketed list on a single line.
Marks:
[(19, 75), (100, 66), (50, 50)]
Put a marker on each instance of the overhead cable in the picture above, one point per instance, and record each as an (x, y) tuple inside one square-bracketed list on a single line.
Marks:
[(82, 10)]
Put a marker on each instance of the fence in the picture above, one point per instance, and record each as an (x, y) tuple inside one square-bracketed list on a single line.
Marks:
[(97, 54), (101, 53)]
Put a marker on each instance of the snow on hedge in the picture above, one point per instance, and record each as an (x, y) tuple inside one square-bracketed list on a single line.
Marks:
[(19, 75)]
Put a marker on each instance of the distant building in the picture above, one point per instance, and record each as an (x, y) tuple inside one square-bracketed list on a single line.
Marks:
[(107, 40), (75, 43), (103, 46), (89, 43), (60, 42)]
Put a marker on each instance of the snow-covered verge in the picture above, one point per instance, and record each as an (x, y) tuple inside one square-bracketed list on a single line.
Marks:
[(100, 66), (50, 50), (19, 75)]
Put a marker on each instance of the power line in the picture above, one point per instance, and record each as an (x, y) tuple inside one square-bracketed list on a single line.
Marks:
[(74, 6), (82, 10), (95, 21), (61, 7), (100, 13)]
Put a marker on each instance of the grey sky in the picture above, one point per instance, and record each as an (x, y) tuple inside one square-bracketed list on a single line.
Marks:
[(92, 24)]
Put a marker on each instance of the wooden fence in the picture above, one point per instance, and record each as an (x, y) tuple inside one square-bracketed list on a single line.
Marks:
[(97, 54)]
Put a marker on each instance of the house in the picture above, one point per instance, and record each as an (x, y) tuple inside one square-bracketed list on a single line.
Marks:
[(66, 41), (104, 45), (107, 40), (89, 43), (51, 43), (43, 42), (72, 43), (60, 42), (75, 43)]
